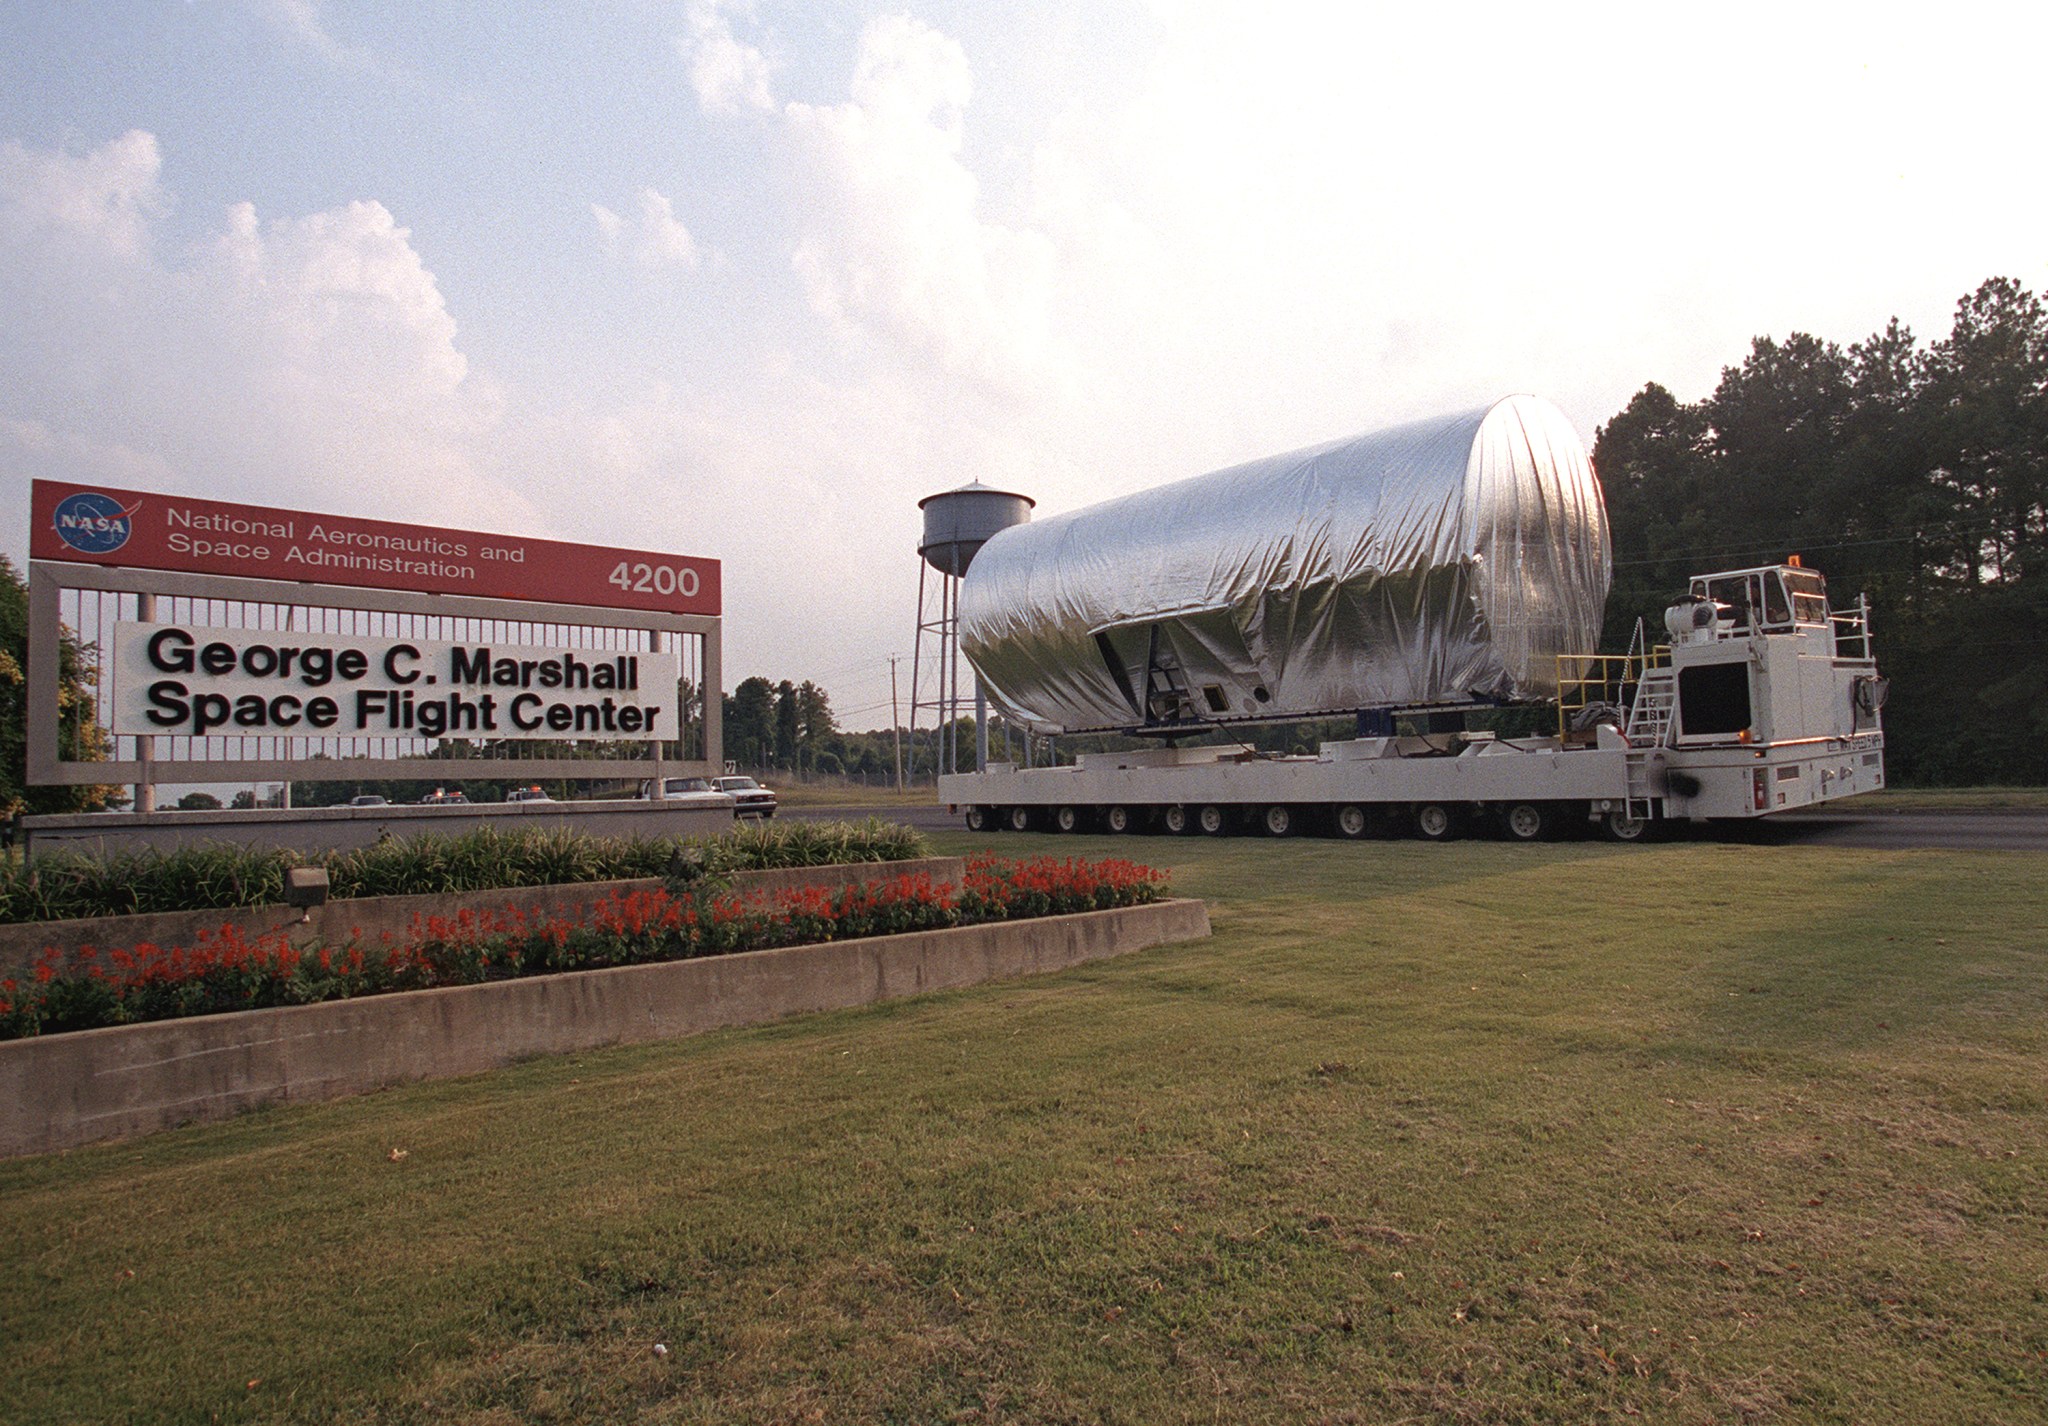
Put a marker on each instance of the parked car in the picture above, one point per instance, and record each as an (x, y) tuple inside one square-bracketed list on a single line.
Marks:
[(369, 799), (527, 794), (750, 798), (438, 798), (687, 790)]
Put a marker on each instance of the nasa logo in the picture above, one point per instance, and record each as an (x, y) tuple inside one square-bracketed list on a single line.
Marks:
[(94, 524)]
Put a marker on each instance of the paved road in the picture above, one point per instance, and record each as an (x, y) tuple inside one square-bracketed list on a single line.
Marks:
[(1981, 831), (1843, 827)]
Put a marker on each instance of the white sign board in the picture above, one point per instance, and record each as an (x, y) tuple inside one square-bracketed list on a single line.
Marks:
[(186, 679)]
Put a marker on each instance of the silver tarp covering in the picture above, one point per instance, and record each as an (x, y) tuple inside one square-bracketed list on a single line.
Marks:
[(1441, 561)]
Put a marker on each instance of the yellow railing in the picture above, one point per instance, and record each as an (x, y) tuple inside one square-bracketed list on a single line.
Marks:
[(1585, 680)]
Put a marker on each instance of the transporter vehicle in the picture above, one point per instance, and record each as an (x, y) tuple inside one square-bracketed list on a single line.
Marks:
[(750, 798), (1415, 576)]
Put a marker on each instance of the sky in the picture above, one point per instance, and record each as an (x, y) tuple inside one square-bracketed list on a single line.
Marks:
[(748, 280)]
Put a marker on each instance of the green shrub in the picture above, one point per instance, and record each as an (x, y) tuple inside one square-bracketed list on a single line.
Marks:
[(58, 886)]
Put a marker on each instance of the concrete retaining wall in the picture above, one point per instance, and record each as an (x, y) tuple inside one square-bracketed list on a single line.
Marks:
[(65, 1090), (373, 917)]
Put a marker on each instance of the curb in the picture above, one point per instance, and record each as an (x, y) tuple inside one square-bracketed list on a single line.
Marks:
[(62, 1091)]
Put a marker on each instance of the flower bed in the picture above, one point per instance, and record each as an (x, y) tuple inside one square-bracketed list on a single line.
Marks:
[(229, 971)]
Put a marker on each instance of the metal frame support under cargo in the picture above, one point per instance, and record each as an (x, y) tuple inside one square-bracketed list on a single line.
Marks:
[(48, 580)]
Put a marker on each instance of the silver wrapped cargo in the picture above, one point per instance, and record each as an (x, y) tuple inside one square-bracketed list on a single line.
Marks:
[(1445, 561)]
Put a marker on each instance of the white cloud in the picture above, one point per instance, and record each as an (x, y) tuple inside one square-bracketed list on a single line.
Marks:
[(102, 202), (891, 235), (305, 360), (304, 24), (655, 239), (726, 74)]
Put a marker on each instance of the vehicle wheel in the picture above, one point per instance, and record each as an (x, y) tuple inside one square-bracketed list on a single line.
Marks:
[(1116, 820), (1279, 821), (1525, 822), (1212, 821), (1020, 819), (977, 819), (1435, 822), (1351, 822), (1622, 826), (1176, 821), (1066, 819)]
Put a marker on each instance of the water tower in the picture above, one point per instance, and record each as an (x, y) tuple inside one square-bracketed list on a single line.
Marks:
[(957, 523)]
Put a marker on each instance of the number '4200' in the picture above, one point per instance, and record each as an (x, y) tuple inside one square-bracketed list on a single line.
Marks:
[(642, 578)]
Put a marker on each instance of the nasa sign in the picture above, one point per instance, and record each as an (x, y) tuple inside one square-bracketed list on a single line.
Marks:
[(92, 523), (225, 642), (103, 526), (184, 679)]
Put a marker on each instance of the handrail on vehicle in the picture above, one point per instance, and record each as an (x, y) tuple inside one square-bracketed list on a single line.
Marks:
[(1590, 680)]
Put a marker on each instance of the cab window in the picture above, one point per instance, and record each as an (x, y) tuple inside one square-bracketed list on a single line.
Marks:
[(1777, 609), (1809, 596), (1738, 593)]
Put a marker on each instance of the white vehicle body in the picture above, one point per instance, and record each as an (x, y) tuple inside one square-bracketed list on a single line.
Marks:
[(694, 791), (1764, 701)]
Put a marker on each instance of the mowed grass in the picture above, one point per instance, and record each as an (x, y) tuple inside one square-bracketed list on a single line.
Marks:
[(1471, 1132)]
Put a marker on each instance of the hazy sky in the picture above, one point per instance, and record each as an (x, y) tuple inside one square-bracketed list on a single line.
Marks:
[(748, 280)]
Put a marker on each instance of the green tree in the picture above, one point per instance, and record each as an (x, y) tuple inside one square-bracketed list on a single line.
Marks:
[(750, 722), (786, 724), (80, 738), (813, 722)]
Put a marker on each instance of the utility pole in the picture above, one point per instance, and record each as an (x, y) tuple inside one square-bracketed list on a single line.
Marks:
[(895, 722)]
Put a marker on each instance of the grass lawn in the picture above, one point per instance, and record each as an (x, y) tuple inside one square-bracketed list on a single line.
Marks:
[(1472, 1132), (836, 794)]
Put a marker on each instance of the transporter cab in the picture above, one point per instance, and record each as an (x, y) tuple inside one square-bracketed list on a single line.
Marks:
[(1764, 699)]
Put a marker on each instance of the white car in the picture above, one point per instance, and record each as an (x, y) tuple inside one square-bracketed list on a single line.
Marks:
[(527, 794), (687, 790), (750, 798)]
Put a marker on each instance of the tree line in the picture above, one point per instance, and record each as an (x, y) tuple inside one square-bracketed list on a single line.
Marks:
[(1916, 473)]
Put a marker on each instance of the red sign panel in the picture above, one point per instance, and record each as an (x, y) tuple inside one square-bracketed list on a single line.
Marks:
[(96, 524)]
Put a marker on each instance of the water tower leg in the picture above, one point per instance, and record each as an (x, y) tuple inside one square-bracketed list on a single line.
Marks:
[(980, 727)]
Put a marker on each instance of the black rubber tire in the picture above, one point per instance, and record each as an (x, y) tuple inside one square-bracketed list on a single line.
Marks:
[(1619, 826), (1351, 822), (1212, 820), (1278, 820), (1018, 819), (1117, 820), (1525, 821), (1176, 821), (1436, 822), (978, 819), (1066, 819)]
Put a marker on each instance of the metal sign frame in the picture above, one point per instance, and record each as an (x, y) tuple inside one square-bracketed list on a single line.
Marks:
[(49, 579)]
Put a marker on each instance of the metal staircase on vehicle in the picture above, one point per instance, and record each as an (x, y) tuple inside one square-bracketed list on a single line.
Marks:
[(1648, 730)]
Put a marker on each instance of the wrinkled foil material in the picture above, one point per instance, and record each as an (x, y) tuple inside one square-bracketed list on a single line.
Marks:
[(1444, 561)]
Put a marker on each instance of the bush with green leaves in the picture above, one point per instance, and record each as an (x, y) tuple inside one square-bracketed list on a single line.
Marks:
[(58, 886)]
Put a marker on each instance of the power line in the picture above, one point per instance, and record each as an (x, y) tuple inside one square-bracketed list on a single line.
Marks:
[(1804, 545)]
